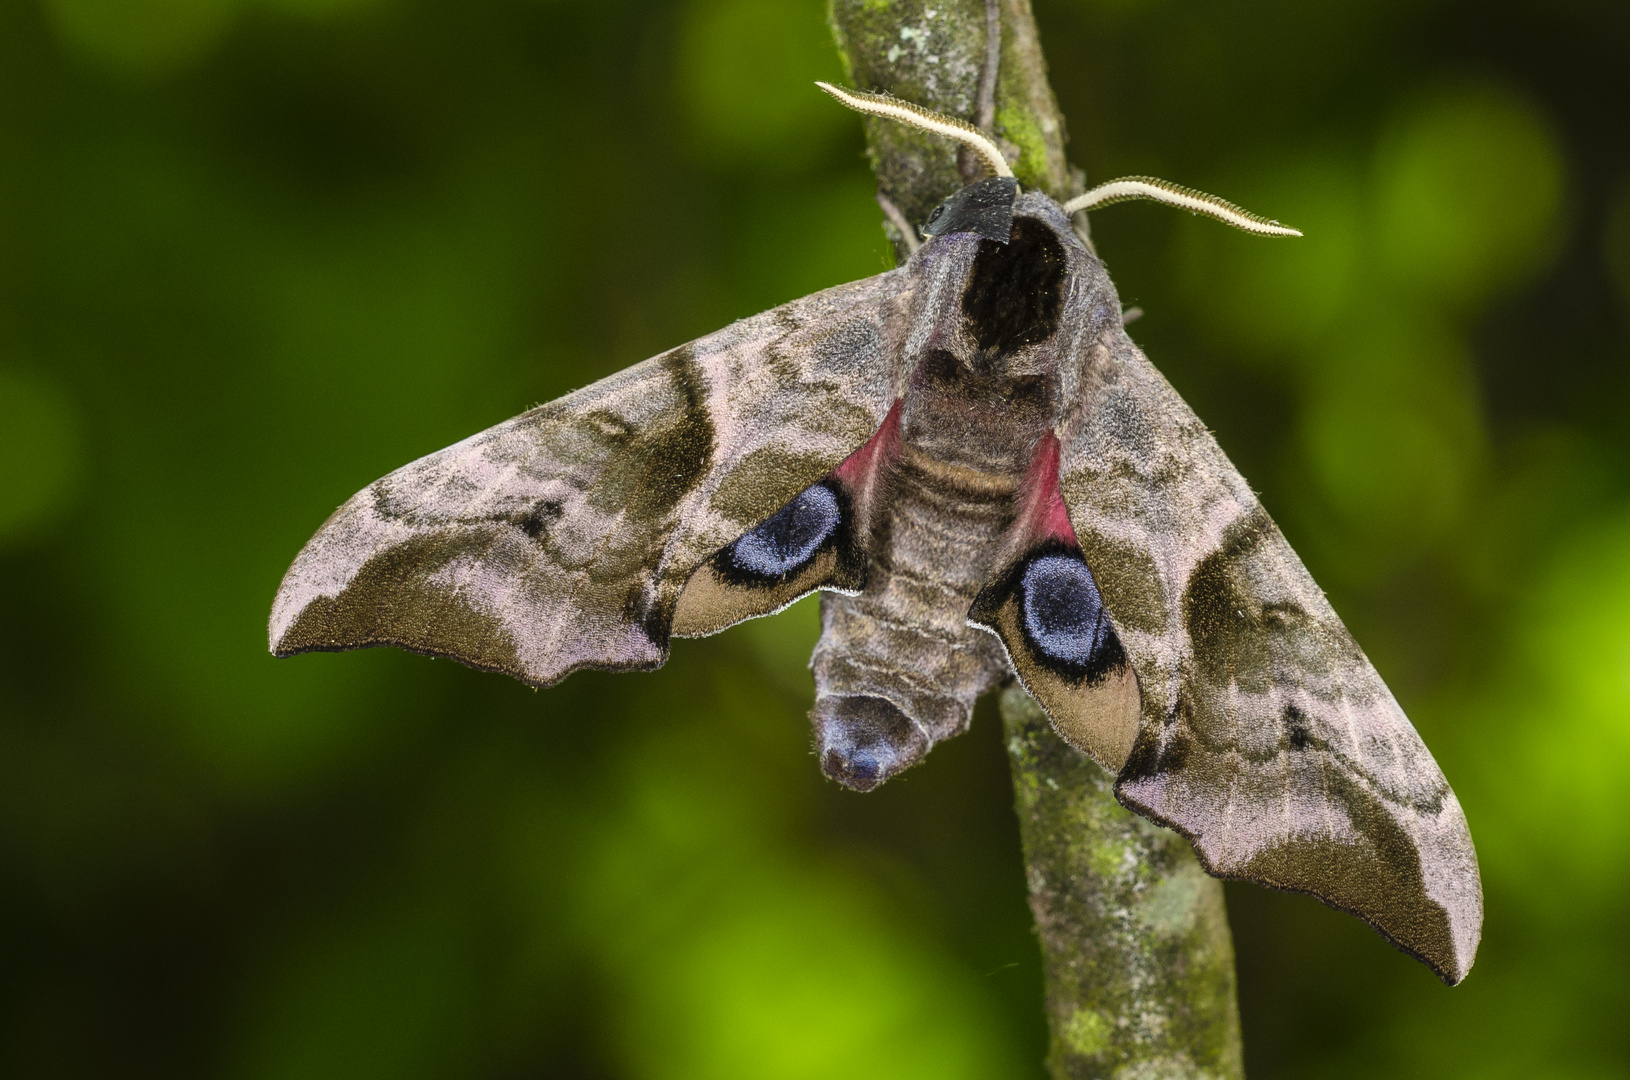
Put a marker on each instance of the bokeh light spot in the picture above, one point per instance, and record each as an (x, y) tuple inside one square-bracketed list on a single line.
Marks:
[(40, 451), (805, 982), (1392, 430), (1468, 193), (1564, 706), (143, 37), (1272, 296)]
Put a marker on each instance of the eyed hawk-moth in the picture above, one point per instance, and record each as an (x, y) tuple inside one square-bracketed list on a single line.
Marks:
[(986, 478)]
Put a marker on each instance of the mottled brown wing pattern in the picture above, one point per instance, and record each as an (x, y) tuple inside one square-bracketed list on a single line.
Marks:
[(562, 539), (1266, 737)]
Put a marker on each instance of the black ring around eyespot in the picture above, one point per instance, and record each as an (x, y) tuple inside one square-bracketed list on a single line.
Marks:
[(787, 541), (1062, 615)]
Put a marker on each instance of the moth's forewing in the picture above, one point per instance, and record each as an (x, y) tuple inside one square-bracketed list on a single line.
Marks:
[(1266, 736), (563, 538)]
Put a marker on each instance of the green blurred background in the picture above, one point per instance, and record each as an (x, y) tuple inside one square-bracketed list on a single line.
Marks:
[(256, 253)]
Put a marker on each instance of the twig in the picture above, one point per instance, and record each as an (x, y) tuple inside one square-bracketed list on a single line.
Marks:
[(1135, 945), (985, 113), (1135, 948), (908, 231), (993, 63)]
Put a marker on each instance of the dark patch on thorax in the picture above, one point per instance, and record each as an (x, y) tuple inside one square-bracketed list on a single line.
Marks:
[(1016, 290)]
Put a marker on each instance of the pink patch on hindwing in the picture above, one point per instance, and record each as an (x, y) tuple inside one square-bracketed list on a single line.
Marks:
[(861, 470), (1042, 515)]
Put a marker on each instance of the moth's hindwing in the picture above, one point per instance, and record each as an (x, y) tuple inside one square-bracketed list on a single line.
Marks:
[(1046, 607), (564, 537), (807, 544), (819, 540), (1066, 653), (1266, 736)]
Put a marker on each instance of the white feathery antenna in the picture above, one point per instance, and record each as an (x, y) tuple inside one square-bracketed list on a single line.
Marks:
[(919, 117), (1198, 202)]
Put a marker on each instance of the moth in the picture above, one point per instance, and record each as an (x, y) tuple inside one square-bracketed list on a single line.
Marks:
[(983, 475)]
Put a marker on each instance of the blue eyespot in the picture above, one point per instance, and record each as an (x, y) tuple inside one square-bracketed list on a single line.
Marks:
[(788, 539), (1063, 613)]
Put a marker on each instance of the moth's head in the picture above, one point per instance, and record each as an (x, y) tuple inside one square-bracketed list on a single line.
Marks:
[(1011, 261), (984, 208)]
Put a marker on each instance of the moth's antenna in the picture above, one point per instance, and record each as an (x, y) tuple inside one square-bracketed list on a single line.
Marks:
[(1147, 187), (919, 117)]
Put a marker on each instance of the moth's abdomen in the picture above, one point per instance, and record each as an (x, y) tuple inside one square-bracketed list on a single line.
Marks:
[(898, 668), (905, 640)]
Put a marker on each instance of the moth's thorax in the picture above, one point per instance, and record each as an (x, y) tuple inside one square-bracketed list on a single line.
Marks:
[(981, 419)]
